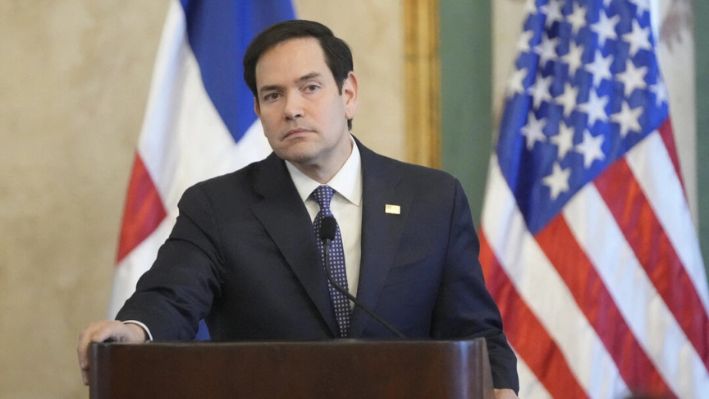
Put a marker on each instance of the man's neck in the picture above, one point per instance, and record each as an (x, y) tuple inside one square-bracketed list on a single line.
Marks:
[(323, 172)]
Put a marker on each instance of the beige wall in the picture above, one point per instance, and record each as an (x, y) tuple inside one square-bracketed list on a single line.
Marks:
[(74, 78)]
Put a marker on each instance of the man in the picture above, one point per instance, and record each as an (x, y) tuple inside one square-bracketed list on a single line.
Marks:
[(244, 253)]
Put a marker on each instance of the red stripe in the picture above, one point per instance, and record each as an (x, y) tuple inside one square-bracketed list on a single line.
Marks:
[(143, 210), (594, 300), (668, 138), (526, 333), (653, 249)]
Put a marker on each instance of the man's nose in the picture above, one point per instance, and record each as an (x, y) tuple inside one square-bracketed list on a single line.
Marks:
[(294, 106)]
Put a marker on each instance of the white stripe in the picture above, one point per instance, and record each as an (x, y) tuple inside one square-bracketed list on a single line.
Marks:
[(654, 171), (647, 316), (539, 285), (529, 386), (165, 91)]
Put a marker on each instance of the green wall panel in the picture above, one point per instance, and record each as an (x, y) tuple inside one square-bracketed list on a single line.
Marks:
[(466, 94)]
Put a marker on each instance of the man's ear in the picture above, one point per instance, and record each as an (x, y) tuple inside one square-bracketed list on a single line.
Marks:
[(349, 95), (257, 108)]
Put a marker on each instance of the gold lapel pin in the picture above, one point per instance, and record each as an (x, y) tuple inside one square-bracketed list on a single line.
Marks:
[(392, 209)]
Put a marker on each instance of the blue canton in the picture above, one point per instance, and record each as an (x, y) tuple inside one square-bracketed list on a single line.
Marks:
[(586, 88)]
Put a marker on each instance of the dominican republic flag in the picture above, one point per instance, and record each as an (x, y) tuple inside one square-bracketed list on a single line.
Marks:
[(587, 241), (199, 122)]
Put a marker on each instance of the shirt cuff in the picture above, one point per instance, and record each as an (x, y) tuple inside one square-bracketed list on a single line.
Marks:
[(141, 325)]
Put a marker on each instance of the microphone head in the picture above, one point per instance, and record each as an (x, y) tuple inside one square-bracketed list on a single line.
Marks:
[(328, 228)]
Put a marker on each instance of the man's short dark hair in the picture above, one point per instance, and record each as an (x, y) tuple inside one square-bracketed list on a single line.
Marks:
[(337, 53)]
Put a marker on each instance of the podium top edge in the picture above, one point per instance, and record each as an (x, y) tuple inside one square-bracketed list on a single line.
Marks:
[(335, 342)]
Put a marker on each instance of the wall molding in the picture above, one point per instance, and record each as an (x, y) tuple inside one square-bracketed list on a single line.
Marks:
[(422, 82)]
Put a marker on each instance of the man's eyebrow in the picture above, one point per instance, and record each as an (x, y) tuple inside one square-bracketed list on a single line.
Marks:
[(269, 88), (304, 78), (311, 75)]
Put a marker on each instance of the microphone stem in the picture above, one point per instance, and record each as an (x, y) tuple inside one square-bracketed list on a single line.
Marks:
[(354, 300)]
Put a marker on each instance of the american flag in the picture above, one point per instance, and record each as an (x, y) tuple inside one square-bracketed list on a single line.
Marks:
[(199, 121), (588, 244)]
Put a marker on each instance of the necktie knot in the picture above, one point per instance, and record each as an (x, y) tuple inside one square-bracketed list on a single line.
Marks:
[(323, 195)]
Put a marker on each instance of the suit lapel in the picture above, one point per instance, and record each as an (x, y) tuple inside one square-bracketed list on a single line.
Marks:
[(381, 231), (283, 215)]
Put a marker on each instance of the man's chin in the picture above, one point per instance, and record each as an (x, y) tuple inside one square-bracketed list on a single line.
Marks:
[(300, 156)]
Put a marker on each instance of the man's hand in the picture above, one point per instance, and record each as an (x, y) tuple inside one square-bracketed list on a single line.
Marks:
[(101, 331), (505, 394)]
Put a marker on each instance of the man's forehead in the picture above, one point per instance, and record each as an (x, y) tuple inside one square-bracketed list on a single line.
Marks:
[(299, 56)]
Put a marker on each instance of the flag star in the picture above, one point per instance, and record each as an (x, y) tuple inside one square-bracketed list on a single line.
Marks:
[(573, 58), (540, 90), (546, 50), (516, 83), (577, 19), (605, 28), (523, 43), (552, 11), (628, 119), (595, 107), (638, 38), (557, 181), (641, 7), (564, 140), (660, 90), (533, 131), (568, 99), (600, 68), (632, 78), (590, 148)]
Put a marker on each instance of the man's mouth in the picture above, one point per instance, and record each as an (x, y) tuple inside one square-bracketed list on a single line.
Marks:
[(295, 132)]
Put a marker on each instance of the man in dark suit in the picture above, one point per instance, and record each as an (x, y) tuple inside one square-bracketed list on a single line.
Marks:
[(245, 255)]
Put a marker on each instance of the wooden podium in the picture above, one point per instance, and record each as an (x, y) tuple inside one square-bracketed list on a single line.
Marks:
[(321, 369)]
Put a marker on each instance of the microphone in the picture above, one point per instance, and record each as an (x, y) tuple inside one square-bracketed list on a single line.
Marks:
[(328, 230)]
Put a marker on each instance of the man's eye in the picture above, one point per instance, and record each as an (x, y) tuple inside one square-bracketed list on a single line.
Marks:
[(271, 97), (311, 88)]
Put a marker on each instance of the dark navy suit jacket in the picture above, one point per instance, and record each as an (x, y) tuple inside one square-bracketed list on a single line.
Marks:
[(242, 255)]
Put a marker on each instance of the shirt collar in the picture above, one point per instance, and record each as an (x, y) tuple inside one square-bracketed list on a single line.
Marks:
[(347, 181)]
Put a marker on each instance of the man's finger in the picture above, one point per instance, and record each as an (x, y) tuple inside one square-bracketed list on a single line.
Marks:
[(95, 332)]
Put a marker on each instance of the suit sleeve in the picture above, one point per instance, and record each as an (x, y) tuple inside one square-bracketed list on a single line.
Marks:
[(180, 287), (464, 306)]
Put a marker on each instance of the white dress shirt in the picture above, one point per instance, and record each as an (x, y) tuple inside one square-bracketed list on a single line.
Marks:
[(346, 207)]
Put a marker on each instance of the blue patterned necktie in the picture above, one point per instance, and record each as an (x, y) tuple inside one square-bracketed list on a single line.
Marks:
[(323, 195)]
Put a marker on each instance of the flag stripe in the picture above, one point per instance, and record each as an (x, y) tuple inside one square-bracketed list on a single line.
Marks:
[(526, 334), (652, 167), (529, 270), (559, 244), (532, 388), (668, 138), (646, 236), (156, 141), (143, 210), (642, 308)]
